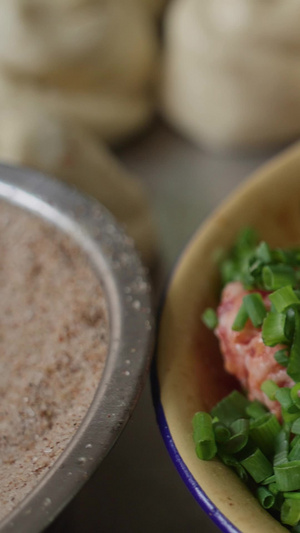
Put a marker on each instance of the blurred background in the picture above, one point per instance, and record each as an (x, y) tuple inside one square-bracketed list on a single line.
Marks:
[(159, 110)]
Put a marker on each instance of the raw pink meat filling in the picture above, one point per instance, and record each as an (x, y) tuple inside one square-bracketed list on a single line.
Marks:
[(245, 355)]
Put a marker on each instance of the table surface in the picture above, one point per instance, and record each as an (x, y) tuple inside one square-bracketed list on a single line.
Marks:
[(137, 488)]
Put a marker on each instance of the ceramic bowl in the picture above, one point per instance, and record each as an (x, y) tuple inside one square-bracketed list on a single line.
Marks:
[(114, 260), (189, 375)]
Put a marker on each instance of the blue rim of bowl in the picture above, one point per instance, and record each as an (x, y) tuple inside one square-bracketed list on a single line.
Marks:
[(200, 496)]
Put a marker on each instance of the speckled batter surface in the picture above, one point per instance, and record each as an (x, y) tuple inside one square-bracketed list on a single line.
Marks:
[(53, 345)]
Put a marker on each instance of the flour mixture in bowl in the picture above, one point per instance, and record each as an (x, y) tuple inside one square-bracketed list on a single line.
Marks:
[(53, 346)]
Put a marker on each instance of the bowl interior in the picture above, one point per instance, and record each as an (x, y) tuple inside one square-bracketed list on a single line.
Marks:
[(189, 366)]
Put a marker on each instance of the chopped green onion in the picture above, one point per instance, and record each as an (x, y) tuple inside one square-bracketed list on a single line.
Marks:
[(256, 409), (258, 466), (283, 298), (255, 308), (296, 426), (293, 369), (294, 454), (263, 253), (222, 433), (283, 396), (229, 271), (294, 441), (270, 388), (276, 276), (288, 476), (239, 438), (203, 435), (272, 487), (290, 512), (263, 431), (246, 240), (269, 480), (289, 417), (265, 497), (289, 257), (281, 357), (295, 394), (231, 408), (240, 319), (210, 318), (273, 330), (292, 495), (290, 322), (281, 448), (230, 460)]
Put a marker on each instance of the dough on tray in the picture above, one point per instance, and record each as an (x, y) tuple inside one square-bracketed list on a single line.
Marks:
[(231, 73)]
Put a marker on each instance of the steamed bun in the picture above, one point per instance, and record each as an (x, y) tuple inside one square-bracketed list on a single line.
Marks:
[(95, 59), (231, 71)]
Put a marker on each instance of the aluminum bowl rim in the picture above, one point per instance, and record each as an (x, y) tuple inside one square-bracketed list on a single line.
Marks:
[(127, 290)]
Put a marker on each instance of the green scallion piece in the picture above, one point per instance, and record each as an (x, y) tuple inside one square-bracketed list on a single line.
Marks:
[(283, 396), (263, 253), (294, 441), (273, 330), (246, 240), (222, 432), (293, 368), (281, 356), (288, 476), (270, 388), (289, 417), (292, 495), (263, 432), (239, 438), (295, 395), (276, 276), (230, 460), (240, 319), (290, 512), (283, 298), (294, 454), (257, 465), (265, 497), (210, 319), (255, 308), (256, 409), (269, 480), (290, 322), (281, 447), (231, 408), (289, 257), (272, 487), (296, 426), (203, 435)]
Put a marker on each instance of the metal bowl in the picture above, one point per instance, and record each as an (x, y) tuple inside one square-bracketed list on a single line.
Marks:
[(126, 288)]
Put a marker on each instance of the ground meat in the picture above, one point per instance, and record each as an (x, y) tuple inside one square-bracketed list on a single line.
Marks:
[(245, 354)]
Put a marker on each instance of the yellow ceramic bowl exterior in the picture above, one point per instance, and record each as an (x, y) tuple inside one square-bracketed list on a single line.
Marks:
[(189, 366)]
